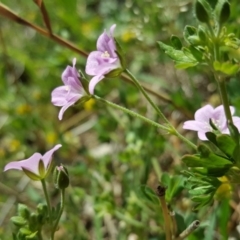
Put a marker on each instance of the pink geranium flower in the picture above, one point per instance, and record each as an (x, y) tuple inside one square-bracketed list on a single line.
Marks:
[(65, 96), (201, 124), (36, 167), (104, 60)]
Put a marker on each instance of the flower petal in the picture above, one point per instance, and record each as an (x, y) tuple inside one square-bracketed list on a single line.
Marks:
[(63, 109), (204, 114), (47, 157), (30, 164), (196, 126), (93, 83), (59, 96)]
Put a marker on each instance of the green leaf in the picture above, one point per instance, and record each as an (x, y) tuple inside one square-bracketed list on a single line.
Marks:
[(204, 150), (174, 187), (182, 60), (223, 11), (25, 231), (202, 34), (176, 42), (202, 201), (212, 3), (189, 31), (149, 194), (18, 221), (211, 172), (211, 161), (226, 144), (203, 11), (227, 68), (201, 190), (198, 55)]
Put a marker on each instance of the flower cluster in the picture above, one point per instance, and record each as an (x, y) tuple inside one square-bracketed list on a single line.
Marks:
[(204, 115), (100, 63)]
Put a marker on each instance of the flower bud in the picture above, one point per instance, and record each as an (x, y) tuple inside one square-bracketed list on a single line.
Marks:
[(23, 211), (61, 178)]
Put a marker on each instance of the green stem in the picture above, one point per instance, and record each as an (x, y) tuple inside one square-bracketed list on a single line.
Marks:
[(47, 199), (39, 234), (180, 136), (59, 213), (146, 95), (131, 113), (171, 129), (224, 97)]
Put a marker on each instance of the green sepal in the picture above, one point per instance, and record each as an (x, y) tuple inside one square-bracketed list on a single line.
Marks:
[(83, 99), (211, 137), (84, 82), (213, 125), (120, 54), (31, 175), (114, 73), (203, 11), (227, 68), (18, 221), (189, 31), (223, 11), (176, 42), (41, 169)]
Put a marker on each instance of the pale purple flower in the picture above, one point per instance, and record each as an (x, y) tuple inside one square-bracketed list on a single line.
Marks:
[(104, 60), (65, 96), (201, 124), (31, 165)]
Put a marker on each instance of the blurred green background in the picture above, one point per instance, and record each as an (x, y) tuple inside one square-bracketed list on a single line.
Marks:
[(111, 157)]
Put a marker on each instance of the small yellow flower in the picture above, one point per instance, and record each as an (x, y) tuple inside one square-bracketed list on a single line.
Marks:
[(89, 104), (14, 145), (224, 190), (23, 109), (128, 36), (51, 138)]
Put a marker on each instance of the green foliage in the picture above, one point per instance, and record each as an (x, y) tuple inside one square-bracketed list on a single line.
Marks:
[(203, 11)]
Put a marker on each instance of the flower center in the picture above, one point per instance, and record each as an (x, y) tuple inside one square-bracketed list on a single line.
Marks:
[(67, 88), (105, 55)]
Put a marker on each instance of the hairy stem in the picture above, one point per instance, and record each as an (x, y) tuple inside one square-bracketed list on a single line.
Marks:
[(132, 113)]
